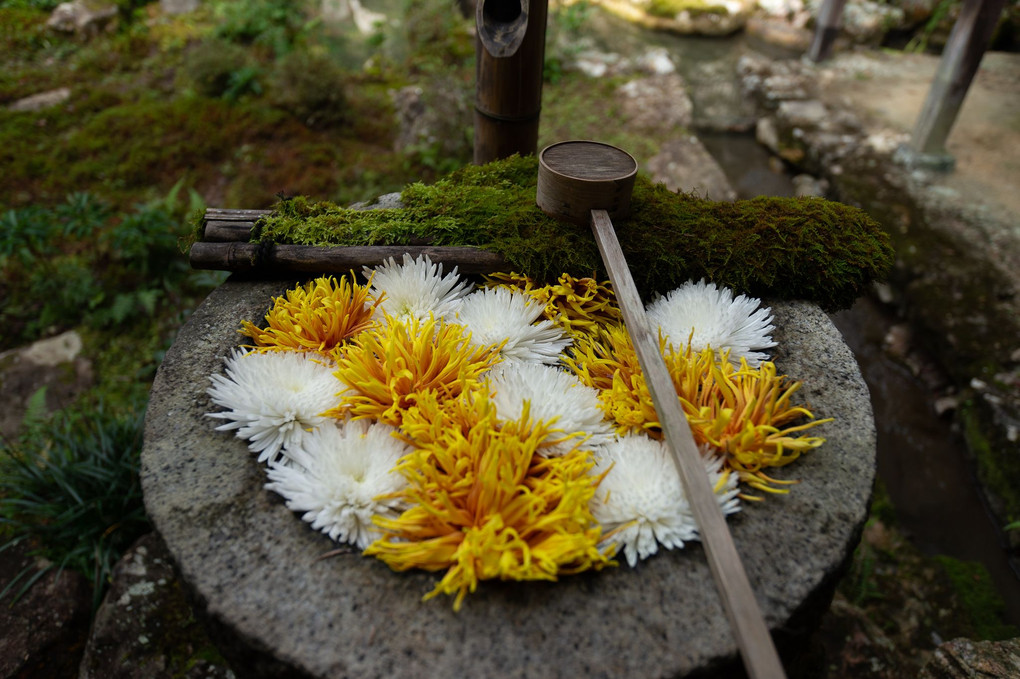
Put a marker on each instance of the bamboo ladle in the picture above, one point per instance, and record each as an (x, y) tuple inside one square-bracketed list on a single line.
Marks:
[(590, 182)]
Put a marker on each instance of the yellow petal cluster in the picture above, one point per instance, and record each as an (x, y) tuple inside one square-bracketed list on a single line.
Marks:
[(317, 317), (579, 305), (388, 367), (745, 413), (484, 505)]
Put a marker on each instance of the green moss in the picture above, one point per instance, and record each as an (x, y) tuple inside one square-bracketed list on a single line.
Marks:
[(979, 598), (800, 248), (998, 465)]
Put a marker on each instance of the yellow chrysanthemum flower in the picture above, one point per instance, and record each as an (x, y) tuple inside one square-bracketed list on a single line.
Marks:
[(317, 317), (484, 505), (741, 412), (387, 367), (579, 305)]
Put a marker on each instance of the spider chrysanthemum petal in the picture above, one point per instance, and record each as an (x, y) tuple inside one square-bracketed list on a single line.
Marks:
[(709, 316), (510, 318), (416, 288), (316, 317), (641, 503), (555, 397), (273, 399), (341, 477)]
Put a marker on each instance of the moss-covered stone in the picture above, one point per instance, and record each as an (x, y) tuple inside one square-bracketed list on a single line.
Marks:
[(791, 248), (670, 8), (998, 464), (977, 596)]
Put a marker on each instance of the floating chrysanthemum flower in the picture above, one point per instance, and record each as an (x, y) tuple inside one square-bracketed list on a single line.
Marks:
[(641, 502), (554, 397), (341, 477), (502, 316), (315, 317), (748, 414), (273, 399), (388, 367), (579, 305), (416, 288), (708, 316), (483, 505), (745, 413)]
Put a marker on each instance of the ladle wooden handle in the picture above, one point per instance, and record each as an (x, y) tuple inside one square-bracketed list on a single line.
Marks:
[(759, 653)]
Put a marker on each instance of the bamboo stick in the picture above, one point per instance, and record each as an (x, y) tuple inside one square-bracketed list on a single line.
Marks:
[(759, 653), (246, 257), (226, 231)]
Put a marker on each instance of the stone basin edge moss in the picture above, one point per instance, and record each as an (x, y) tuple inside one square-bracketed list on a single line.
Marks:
[(786, 248)]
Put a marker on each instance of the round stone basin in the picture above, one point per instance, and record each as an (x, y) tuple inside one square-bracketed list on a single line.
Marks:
[(281, 607)]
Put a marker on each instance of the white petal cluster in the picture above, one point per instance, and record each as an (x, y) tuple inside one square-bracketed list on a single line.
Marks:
[(643, 499), (337, 476), (716, 319), (273, 399), (553, 395), (416, 288), (498, 315)]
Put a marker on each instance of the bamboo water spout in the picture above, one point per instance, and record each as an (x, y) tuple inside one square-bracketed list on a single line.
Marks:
[(510, 48)]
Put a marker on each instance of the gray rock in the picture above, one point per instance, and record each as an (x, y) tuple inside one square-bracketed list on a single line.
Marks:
[(803, 113), (341, 11), (174, 7), (386, 201), (779, 32), (684, 164), (37, 102), (83, 17), (716, 18), (657, 102), (145, 628), (806, 185), (259, 573), (433, 117), (966, 659), (55, 364), (43, 631)]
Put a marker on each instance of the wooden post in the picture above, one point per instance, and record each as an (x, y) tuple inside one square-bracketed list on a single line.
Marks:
[(961, 58), (510, 49), (826, 29)]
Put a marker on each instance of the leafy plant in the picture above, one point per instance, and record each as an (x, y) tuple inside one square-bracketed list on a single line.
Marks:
[(81, 262), (276, 24), (69, 484), (43, 5), (311, 86), (213, 68), (936, 22)]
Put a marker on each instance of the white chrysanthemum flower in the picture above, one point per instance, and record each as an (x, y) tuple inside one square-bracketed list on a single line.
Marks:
[(553, 394), (497, 315), (337, 477), (643, 499), (273, 398), (416, 288), (716, 319)]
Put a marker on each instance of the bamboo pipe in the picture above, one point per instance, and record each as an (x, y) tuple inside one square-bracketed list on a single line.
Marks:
[(575, 177), (510, 50)]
